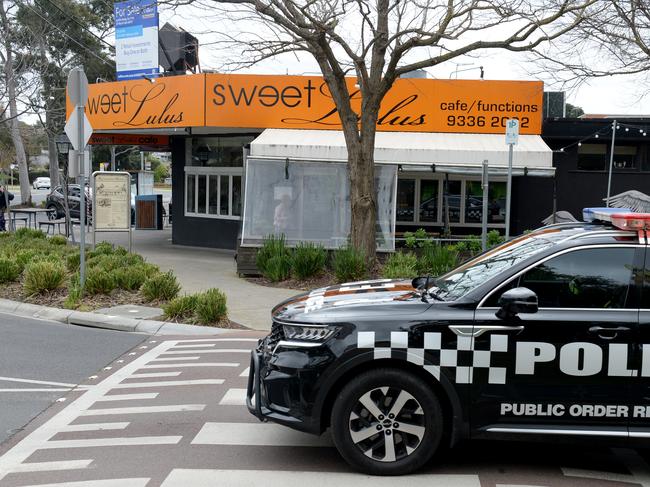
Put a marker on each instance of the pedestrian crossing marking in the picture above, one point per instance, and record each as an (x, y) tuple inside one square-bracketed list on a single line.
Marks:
[(125, 441), (171, 383), (144, 410), (256, 434), (234, 397), (198, 364)]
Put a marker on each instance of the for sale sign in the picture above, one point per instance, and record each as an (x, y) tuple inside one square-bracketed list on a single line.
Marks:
[(136, 38)]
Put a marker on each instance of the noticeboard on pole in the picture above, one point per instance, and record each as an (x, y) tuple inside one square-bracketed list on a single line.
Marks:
[(111, 201), (136, 39)]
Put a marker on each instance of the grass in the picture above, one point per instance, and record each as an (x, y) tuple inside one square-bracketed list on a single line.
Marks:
[(400, 265), (160, 287), (206, 308), (308, 260), (349, 264), (43, 276)]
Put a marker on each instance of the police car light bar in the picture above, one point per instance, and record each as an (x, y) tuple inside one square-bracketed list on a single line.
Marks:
[(602, 214)]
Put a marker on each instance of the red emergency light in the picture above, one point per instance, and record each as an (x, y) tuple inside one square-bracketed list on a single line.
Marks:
[(631, 221)]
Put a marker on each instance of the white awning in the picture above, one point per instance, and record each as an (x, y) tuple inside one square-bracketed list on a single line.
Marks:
[(440, 152)]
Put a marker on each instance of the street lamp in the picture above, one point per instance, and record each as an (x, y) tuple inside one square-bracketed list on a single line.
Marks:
[(62, 144)]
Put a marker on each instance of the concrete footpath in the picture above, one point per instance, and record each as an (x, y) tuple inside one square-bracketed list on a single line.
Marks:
[(198, 269)]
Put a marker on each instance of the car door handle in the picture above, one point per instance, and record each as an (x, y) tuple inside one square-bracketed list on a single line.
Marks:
[(609, 333)]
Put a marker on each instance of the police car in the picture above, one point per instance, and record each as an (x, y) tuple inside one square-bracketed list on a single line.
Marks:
[(545, 336)]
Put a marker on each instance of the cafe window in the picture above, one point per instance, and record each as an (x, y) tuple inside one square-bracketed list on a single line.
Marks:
[(625, 157), (213, 176), (464, 198)]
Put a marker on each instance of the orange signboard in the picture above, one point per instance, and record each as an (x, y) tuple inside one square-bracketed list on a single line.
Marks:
[(259, 101), (412, 105), (175, 101)]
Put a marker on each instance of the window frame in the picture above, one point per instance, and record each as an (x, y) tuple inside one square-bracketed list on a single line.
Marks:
[(549, 257), (418, 177), (206, 172)]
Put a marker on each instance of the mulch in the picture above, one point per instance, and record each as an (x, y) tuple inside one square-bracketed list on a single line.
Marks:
[(316, 282)]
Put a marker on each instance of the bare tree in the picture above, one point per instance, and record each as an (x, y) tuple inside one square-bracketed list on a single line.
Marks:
[(613, 39), (378, 41), (10, 79)]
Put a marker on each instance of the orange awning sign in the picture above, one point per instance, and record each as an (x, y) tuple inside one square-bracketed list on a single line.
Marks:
[(259, 102)]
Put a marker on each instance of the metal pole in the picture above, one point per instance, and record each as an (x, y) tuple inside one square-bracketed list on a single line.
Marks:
[(82, 201), (484, 216), (611, 163), (509, 190)]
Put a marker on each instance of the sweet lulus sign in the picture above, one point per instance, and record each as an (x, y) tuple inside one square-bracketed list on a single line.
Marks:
[(259, 101)]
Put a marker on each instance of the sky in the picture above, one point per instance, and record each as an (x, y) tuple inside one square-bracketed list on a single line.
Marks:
[(627, 95)]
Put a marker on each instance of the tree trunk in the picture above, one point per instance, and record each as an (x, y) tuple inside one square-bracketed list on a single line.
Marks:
[(362, 196), (54, 160), (50, 129), (10, 81)]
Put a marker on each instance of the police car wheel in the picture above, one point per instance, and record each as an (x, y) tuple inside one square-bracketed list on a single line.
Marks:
[(387, 422)]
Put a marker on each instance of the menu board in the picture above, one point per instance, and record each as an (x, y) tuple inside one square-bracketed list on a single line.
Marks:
[(112, 201)]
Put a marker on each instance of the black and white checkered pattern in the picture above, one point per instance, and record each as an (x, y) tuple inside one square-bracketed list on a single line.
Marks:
[(461, 361)]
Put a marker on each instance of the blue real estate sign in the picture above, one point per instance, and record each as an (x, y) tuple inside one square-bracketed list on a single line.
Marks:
[(136, 38)]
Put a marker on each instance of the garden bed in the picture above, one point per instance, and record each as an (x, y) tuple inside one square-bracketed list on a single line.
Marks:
[(45, 271)]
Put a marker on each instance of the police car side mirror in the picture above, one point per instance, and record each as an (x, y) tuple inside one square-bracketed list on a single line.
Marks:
[(515, 301)]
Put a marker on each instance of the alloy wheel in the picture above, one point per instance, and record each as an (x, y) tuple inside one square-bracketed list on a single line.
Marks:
[(387, 424)]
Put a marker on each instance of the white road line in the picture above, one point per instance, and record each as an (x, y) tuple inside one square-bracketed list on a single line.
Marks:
[(256, 434), (219, 350), (144, 409), (181, 477), (195, 340), (245, 372), (129, 397), (100, 442), (133, 482), (32, 381), (171, 359), (234, 397), (95, 427), (52, 466), (51, 389), (198, 345), (198, 364), (37, 438), (171, 383), (151, 375)]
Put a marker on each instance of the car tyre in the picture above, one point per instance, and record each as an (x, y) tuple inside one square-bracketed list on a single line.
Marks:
[(54, 215), (374, 443)]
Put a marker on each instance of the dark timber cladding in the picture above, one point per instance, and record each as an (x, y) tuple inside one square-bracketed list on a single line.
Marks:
[(583, 164)]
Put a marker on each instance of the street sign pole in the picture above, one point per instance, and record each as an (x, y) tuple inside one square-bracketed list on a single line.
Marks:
[(512, 137), (484, 216), (611, 163), (77, 91)]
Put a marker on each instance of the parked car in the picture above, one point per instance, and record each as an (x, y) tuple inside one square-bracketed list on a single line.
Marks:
[(544, 337), (55, 201), (41, 183)]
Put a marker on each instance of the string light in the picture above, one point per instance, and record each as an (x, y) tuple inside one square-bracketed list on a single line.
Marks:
[(605, 131)]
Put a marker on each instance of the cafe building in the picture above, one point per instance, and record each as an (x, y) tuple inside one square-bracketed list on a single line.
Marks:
[(254, 155)]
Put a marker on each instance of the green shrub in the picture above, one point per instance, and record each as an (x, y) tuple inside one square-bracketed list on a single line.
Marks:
[(210, 306), (308, 260), (58, 240), (74, 296), (278, 268), (494, 238), (418, 239), (9, 270), (72, 262), (437, 260), (472, 245), (161, 287), (181, 307), (26, 233), (150, 269), (43, 276), (349, 264), (99, 281), (24, 257), (272, 246), (130, 278), (400, 265), (102, 248)]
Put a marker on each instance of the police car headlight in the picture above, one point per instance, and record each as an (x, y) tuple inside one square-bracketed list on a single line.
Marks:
[(311, 333)]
